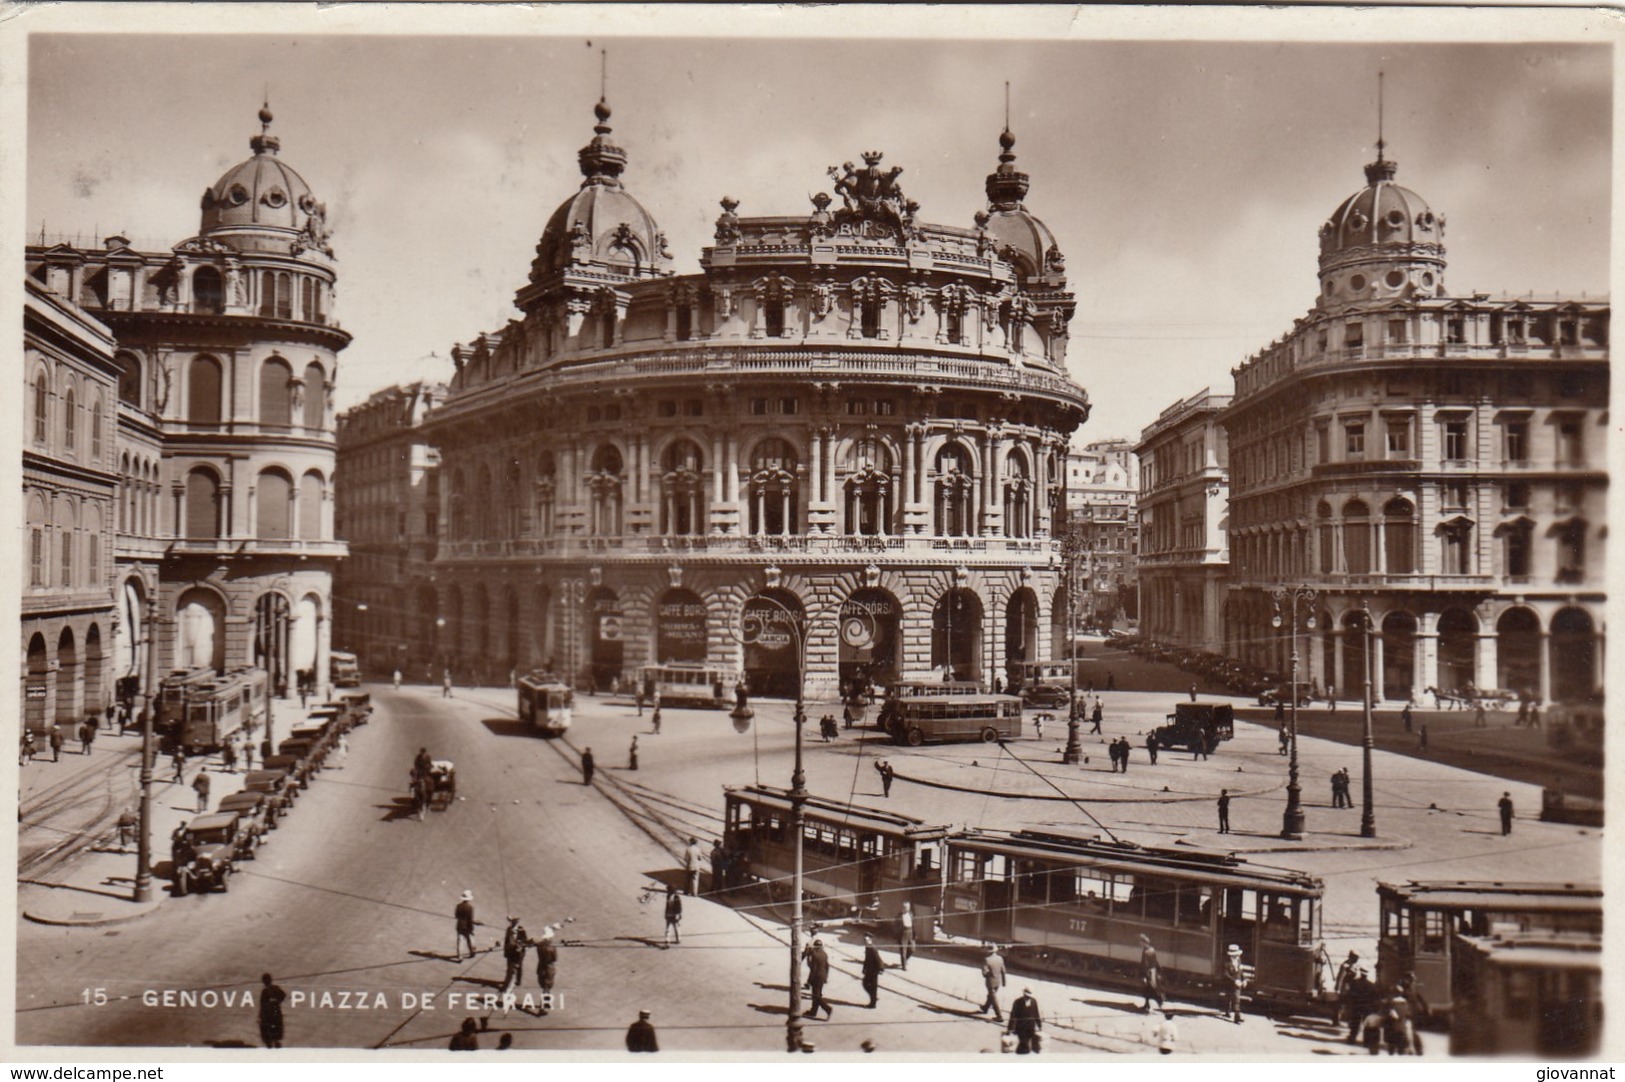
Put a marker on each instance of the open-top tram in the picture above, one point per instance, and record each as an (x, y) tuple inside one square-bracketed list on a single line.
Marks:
[(1078, 905), (853, 858)]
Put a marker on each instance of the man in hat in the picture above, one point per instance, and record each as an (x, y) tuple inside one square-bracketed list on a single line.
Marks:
[(905, 935), (1344, 984), (872, 965), (1025, 1023), (640, 1035), (1505, 805), (464, 915), (994, 978), (515, 945), (817, 975), (693, 860), (1150, 974), (1235, 979), (1224, 811), (547, 964)]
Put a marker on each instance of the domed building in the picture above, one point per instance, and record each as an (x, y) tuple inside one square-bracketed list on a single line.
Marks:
[(227, 350), (1432, 464), (848, 414)]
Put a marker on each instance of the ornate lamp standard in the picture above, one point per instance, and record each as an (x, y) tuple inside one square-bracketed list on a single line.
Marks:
[(1368, 810), (143, 841), (753, 626), (1070, 547), (1292, 819)]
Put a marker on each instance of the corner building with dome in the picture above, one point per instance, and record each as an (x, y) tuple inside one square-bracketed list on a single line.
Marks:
[(1436, 461), (848, 413), (226, 348)]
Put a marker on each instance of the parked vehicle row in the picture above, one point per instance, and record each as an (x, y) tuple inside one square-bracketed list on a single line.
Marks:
[(206, 851), (1240, 677)]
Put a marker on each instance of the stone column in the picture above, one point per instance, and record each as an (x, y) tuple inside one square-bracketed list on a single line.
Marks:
[(1545, 667), (1427, 653), (1485, 665)]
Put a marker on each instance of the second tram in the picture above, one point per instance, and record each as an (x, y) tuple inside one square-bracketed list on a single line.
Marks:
[(546, 703)]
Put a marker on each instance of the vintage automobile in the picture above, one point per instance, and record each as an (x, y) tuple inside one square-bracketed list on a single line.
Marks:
[(296, 767), (1046, 696), (214, 852), (274, 785), (253, 818), (1191, 721), (1282, 692)]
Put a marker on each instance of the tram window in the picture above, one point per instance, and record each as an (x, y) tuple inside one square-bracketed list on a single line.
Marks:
[(1280, 918), (1032, 884), (1519, 994), (1159, 899), (846, 844), (1063, 885), (1434, 929), (1196, 906), (1241, 904), (927, 858), (965, 867)]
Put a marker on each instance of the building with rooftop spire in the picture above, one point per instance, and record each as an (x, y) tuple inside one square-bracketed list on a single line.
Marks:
[(226, 348), (1431, 463), (849, 415)]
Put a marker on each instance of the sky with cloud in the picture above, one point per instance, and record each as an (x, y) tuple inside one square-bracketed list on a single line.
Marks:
[(1185, 180)]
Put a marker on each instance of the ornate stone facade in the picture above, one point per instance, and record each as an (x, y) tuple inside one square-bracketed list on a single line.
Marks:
[(227, 353), (1439, 458), (848, 411)]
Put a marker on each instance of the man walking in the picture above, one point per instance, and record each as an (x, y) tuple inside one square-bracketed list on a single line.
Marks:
[(200, 784), (85, 732), (993, 977), (271, 998), (1152, 746), (1235, 979), (586, 767), (1096, 716), (1331, 698), (1405, 715), (817, 976), (674, 915), (905, 935), (1150, 974), (1224, 811), (872, 965), (654, 719), (632, 754), (56, 744), (1505, 804), (464, 916), (1025, 1023), (1124, 750), (883, 768), (1337, 788), (445, 684), (515, 945), (693, 858), (547, 965)]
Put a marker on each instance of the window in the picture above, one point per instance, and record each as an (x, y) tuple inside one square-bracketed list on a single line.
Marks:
[(96, 432), (129, 379), (870, 317), (1322, 340), (1455, 540), (273, 509), (202, 505), (666, 408), (775, 317), (1571, 552), (685, 323), (1399, 536), (1323, 443), (758, 407), (276, 393), (1396, 330), (67, 557), (956, 327), (1518, 550), (1356, 538), (1570, 441), (1454, 431), (1517, 494), (1515, 440), (70, 422), (1354, 439), (789, 406), (1399, 437), (315, 397), (1516, 332), (885, 407), (1568, 333), (1353, 335), (36, 556), (1453, 495), (693, 407), (1456, 332)]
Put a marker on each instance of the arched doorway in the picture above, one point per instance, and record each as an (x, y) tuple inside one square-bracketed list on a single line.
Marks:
[(272, 619), (771, 661), (200, 623), (67, 676), (1060, 626), (304, 647), (1398, 655), (1020, 633), (956, 634), (543, 639), (1458, 639), (129, 632), (605, 649), (1574, 656), (680, 631), (869, 644), (479, 661), (37, 687), (1354, 656), (1517, 651), (425, 645), (95, 669)]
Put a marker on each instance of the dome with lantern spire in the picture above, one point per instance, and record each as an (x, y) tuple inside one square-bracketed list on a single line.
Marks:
[(601, 224), (1018, 235), (1384, 241), (263, 204)]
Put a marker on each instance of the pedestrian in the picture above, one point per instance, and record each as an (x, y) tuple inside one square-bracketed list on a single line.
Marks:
[(56, 743), (228, 757), (25, 750), (1152, 746), (126, 828), (1331, 698), (654, 719), (1280, 710), (637, 699), (342, 751), (632, 754), (847, 717), (674, 915), (84, 738), (883, 768), (1097, 714), (640, 1035), (1224, 811), (905, 935), (1111, 681), (445, 685), (1166, 1034), (586, 767), (1124, 750), (1480, 721), (248, 756), (1344, 989), (1199, 746), (1505, 804), (1405, 715), (1337, 788), (817, 976), (271, 998), (1364, 1000), (1150, 974), (1285, 740), (872, 965), (200, 785), (1235, 979), (467, 1038), (719, 866), (993, 977), (547, 965), (515, 945), (1422, 737), (463, 915), (1193, 693), (1026, 1023), (1038, 726), (693, 858)]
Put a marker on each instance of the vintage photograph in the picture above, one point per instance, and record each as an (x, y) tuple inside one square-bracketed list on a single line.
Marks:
[(1035, 537)]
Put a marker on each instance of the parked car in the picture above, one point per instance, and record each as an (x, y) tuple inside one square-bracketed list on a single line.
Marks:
[(254, 818), (214, 853), (1046, 696), (275, 785), (1282, 693), (1191, 722)]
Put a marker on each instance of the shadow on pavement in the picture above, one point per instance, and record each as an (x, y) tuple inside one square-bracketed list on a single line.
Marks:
[(400, 808), (506, 727)]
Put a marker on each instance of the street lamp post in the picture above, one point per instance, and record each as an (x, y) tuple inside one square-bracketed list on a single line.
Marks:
[(1368, 810), (143, 841), (1074, 727), (1292, 820)]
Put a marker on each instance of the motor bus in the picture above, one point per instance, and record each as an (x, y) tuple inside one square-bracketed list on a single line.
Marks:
[(344, 669), (909, 687), (1419, 920), (856, 860), (216, 709), (939, 719), (689, 683), (1077, 906), (545, 703)]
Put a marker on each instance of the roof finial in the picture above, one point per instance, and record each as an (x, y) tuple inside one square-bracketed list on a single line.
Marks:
[(1007, 105), (602, 110), (1380, 143), (265, 141)]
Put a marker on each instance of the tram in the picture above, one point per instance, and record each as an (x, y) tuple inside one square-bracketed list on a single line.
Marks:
[(1535, 993), (1420, 921), (1078, 905), (217, 708), (691, 683), (854, 859), (545, 703), (172, 696)]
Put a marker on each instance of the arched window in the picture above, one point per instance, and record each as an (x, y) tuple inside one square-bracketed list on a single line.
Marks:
[(65, 526), (773, 316), (129, 378), (605, 477), (773, 490), (39, 556), (546, 483), (869, 494), (1327, 540), (315, 396), (276, 393), (203, 391), (459, 508), (956, 487), (42, 408), (1018, 489), (512, 509), (1399, 536), (682, 489), (267, 293), (273, 505), (207, 294), (70, 422), (202, 504), (96, 431), (1357, 538), (284, 295), (483, 512), (311, 490), (307, 297), (93, 545)]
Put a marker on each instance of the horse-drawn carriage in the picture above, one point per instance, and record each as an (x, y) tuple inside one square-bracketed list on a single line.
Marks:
[(435, 788)]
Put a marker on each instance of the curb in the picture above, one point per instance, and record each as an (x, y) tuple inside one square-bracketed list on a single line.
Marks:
[(1147, 798), (94, 920), (1193, 842)]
